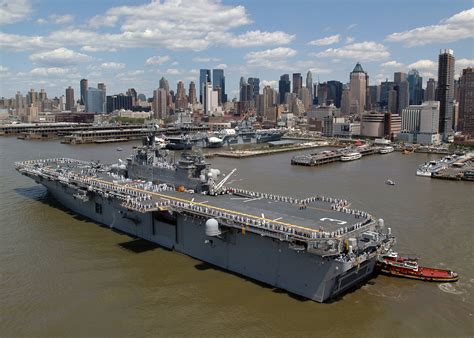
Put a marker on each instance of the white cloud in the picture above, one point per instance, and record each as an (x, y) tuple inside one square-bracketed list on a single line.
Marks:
[(59, 57), (97, 49), (251, 38), (271, 83), (351, 26), (206, 59), (361, 51), (157, 60), (23, 42), (464, 63), (13, 11), (350, 39), (176, 25), (220, 66), (393, 65), (51, 72), (173, 71), (424, 65), (4, 71), (270, 58), (329, 40), (56, 19), (103, 21), (112, 65), (457, 27)]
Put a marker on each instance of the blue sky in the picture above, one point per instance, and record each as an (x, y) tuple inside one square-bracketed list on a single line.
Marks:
[(52, 44)]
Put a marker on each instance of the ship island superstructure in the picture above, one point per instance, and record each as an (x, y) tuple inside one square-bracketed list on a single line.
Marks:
[(315, 247)]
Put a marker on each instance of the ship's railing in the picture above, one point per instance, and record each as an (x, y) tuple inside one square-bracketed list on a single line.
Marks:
[(136, 197), (337, 204)]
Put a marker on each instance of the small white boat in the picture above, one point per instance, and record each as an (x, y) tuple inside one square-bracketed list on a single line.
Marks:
[(386, 150), (389, 182), (350, 157), (119, 149)]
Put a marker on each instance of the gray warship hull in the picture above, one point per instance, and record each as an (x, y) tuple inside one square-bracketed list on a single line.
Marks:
[(251, 255), (317, 247)]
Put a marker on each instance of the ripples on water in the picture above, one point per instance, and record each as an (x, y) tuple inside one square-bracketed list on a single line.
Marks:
[(63, 275)]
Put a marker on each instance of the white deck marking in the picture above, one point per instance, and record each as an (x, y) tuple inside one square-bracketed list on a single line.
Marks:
[(253, 199), (338, 221), (277, 219)]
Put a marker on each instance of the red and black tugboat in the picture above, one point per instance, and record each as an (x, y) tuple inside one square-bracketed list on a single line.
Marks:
[(395, 265)]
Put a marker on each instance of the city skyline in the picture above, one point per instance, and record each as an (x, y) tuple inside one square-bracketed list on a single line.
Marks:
[(118, 46)]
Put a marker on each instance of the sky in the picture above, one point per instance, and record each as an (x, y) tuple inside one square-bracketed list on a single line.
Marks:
[(52, 44)]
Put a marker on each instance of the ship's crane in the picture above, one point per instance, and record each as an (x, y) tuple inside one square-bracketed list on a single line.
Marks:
[(219, 185)]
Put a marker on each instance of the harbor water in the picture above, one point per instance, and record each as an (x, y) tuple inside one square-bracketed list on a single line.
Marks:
[(61, 274)]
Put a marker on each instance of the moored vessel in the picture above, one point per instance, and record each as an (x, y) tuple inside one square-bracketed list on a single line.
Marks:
[(350, 156), (316, 247), (386, 150)]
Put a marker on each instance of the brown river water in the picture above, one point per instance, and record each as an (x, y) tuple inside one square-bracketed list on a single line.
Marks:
[(63, 275)]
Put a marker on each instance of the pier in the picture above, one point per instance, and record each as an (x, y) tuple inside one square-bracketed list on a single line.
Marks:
[(325, 157)]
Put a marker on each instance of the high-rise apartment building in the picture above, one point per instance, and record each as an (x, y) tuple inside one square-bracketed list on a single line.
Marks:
[(309, 84), (284, 87), (466, 102), (192, 93), (84, 84), (334, 93), (297, 82), (204, 77), (69, 98), (445, 90), (430, 91), (255, 83), (181, 101), (160, 103)]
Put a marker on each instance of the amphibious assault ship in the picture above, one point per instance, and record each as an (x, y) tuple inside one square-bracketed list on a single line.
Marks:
[(315, 247)]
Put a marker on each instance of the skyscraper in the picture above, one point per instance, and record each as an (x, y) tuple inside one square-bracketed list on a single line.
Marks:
[(84, 85), (284, 86), (218, 80), (466, 102), (334, 92), (160, 105), (309, 83), (445, 92), (297, 82), (103, 88), (322, 94), (69, 98), (181, 101), (255, 83), (95, 102), (204, 77), (164, 84), (358, 88), (430, 91), (415, 83), (403, 91), (192, 93)]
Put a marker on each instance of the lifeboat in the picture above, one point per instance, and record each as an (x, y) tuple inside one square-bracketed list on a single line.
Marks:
[(394, 265)]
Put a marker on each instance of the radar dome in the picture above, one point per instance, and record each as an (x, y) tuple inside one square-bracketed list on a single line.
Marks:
[(212, 227)]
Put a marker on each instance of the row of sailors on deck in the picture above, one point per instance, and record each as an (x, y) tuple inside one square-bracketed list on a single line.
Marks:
[(303, 202), (143, 207), (357, 213)]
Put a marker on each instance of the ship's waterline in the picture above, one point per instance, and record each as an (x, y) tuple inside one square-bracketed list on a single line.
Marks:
[(67, 276), (315, 247)]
